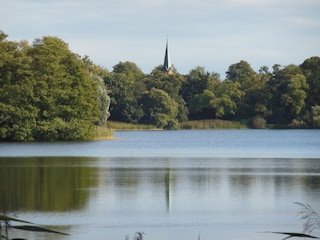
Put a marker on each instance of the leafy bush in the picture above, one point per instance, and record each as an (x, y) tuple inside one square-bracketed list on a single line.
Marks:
[(258, 123)]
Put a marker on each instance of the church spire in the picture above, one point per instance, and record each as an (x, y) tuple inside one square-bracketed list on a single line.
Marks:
[(167, 61)]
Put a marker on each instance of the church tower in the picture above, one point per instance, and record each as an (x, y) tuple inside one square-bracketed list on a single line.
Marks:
[(167, 66)]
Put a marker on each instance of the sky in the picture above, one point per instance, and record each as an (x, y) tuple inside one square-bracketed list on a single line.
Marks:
[(209, 33)]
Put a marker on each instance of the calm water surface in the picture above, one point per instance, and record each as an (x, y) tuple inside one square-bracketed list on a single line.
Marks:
[(223, 184)]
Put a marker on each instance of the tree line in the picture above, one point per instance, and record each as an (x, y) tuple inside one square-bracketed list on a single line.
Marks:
[(286, 96), (49, 93)]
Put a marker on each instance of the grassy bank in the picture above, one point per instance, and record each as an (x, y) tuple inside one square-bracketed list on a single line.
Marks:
[(212, 124), (107, 133), (199, 124), (130, 126)]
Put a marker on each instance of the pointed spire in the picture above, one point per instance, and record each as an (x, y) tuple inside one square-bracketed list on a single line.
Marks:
[(167, 60)]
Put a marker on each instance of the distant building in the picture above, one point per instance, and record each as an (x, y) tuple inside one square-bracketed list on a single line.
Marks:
[(167, 66)]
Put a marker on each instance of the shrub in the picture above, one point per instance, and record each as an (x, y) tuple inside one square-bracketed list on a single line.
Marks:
[(258, 123)]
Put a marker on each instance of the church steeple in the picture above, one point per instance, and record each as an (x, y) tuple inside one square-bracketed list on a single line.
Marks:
[(167, 61)]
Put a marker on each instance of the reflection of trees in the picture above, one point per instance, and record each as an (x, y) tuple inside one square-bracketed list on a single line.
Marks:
[(45, 184), (241, 183), (125, 177), (217, 183), (312, 182), (135, 183)]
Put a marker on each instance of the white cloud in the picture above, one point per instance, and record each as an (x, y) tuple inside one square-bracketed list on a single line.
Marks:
[(208, 33)]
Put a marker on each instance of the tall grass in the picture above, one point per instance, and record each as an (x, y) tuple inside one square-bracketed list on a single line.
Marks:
[(212, 124), (198, 124), (130, 126), (310, 217), (102, 133)]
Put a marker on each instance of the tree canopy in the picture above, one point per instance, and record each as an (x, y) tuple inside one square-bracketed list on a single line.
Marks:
[(48, 93), (287, 96)]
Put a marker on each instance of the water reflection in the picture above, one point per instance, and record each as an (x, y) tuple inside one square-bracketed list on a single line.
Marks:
[(147, 192), (45, 184), (211, 183), (66, 184), (168, 188)]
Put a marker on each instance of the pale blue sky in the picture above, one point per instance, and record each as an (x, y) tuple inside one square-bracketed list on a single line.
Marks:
[(209, 33)]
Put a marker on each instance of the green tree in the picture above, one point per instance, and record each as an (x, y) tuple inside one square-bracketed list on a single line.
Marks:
[(160, 109), (47, 93), (201, 105), (311, 70), (241, 72), (126, 86), (227, 97), (315, 120), (17, 112), (287, 94), (196, 83), (130, 69), (253, 102), (67, 96), (171, 84), (208, 97), (197, 90), (124, 104), (98, 74)]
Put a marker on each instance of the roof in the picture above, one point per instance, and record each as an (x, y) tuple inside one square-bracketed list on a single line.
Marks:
[(167, 60)]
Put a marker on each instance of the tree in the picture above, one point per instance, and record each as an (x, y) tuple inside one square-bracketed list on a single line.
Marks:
[(47, 93), (17, 112), (130, 69), (194, 92), (196, 83), (67, 96), (311, 70), (253, 102), (98, 74), (124, 104), (243, 73), (287, 93), (201, 105), (171, 84), (126, 86), (160, 109), (315, 119), (228, 95)]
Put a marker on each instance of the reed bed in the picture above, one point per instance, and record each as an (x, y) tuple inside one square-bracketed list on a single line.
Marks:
[(212, 124), (130, 126), (103, 133)]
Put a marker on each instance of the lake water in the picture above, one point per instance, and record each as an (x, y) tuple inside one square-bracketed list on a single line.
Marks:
[(219, 184)]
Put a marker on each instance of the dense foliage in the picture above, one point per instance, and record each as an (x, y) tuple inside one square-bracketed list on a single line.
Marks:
[(284, 97), (48, 93)]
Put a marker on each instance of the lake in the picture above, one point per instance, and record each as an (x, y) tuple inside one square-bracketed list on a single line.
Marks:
[(216, 184)]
